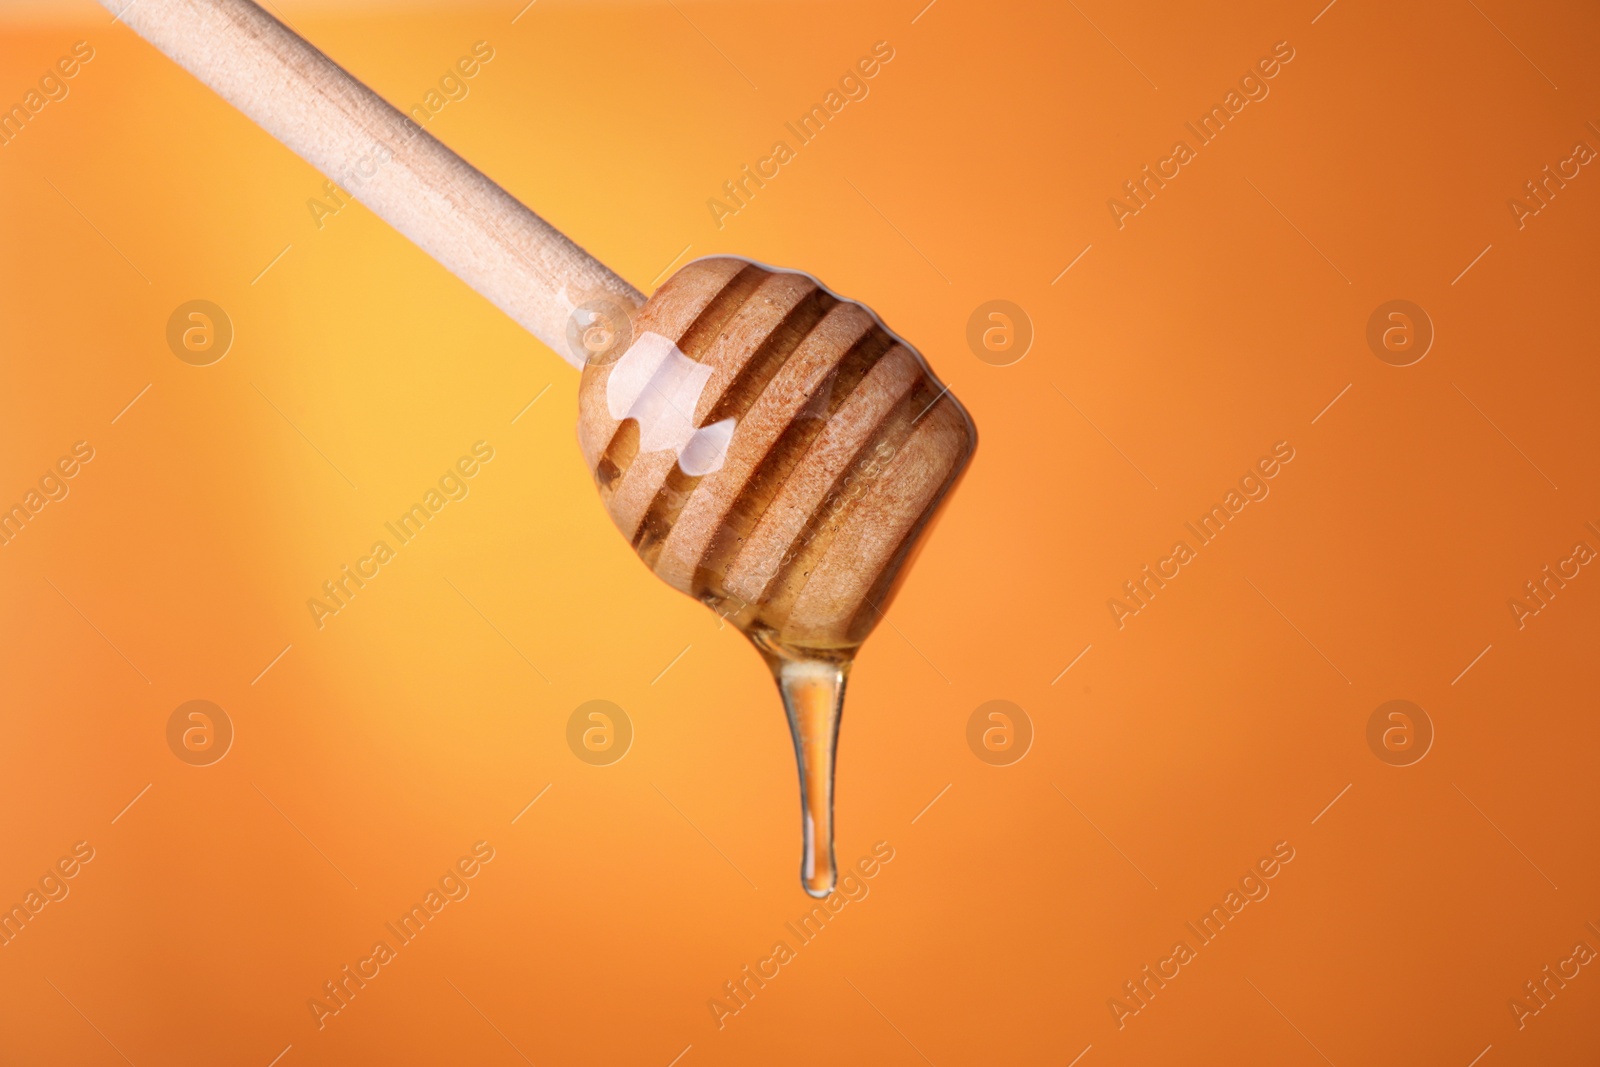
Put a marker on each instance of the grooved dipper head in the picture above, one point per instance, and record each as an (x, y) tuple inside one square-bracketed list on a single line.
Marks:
[(770, 449)]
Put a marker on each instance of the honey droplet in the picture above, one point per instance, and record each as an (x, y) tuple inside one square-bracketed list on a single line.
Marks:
[(813, 700)]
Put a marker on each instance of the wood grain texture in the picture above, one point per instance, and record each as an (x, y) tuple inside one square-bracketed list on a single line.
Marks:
[(477, 230), (844, 444)]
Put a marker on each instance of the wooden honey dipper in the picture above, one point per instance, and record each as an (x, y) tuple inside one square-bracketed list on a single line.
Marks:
[(766, 446)]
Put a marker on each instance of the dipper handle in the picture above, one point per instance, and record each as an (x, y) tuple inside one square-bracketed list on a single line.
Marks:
[(478, 231)]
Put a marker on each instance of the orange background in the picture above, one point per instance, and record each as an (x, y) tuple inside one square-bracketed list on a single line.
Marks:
[(1219, 721)]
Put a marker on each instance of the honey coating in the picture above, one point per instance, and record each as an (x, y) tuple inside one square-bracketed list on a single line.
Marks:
[(774, 451)]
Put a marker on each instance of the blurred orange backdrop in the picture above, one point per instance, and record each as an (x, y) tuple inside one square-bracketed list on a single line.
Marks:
[(1173, 749)]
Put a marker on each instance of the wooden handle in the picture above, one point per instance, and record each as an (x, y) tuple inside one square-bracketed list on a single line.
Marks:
[(477, 230)]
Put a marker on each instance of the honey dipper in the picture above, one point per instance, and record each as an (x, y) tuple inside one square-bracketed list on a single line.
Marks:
[(767, 447)]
